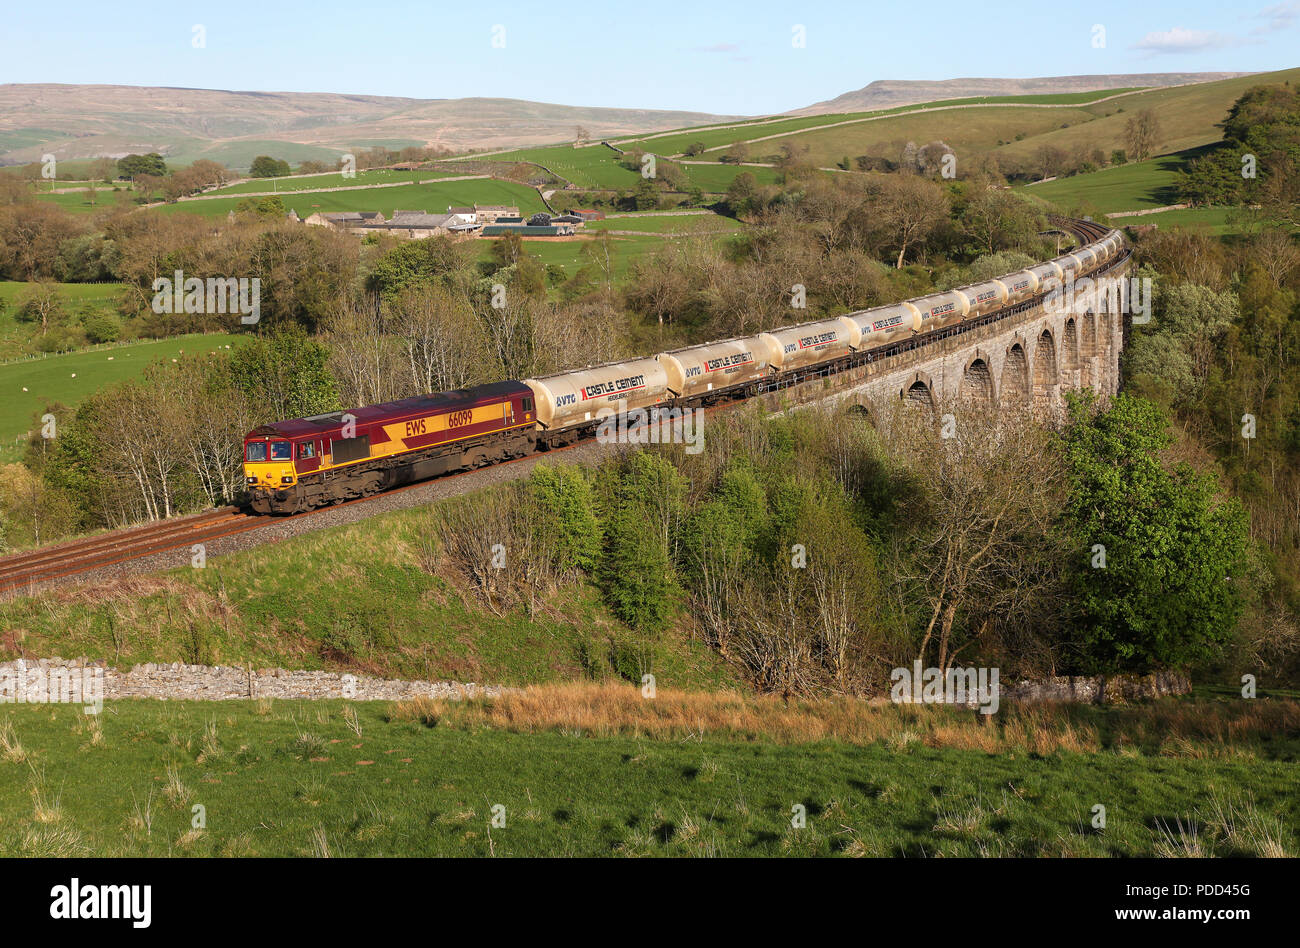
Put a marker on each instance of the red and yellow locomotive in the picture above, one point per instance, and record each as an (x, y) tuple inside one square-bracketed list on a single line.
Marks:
[(292, 466)]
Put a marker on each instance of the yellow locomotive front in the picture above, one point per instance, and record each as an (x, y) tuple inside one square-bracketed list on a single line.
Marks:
[(268, 467)]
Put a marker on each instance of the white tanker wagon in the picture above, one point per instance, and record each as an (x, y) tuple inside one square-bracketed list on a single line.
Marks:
[(697, 371), (571, 400), (1020, 286), (941, 309), (797, 347), (985, 297), (884, 324)]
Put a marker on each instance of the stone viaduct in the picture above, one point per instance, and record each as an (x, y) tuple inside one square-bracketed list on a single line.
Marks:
[(1023, 360)]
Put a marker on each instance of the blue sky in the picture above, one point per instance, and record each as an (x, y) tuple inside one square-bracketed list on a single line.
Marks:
[(723, 57)]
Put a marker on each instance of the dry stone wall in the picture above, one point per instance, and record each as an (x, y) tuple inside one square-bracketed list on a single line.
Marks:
[(181, 682)]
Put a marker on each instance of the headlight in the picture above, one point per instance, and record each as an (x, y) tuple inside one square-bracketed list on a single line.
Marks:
[(286, 480), (252, 480)]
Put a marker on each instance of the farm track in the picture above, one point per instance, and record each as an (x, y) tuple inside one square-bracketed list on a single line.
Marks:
[(112, 552)]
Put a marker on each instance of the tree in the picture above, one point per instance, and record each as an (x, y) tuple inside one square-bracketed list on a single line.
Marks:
[(695, 148), (267, 206), (41, 302), (737, 154), (1157, 553), (286, 374), (910, 208), (641, 512), (264, 166), (997, 219), (1141, 132), (132, 166), (742, 193)]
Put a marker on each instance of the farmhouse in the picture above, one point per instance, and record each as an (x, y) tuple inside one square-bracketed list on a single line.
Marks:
[(466, 215), (345, 220), (491, 213), (415, 224)]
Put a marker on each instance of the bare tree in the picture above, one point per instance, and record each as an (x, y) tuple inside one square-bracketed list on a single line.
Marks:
[(1140, 134)]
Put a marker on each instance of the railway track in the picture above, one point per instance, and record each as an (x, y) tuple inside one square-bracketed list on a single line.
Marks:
[(81, 556), (27, 571)]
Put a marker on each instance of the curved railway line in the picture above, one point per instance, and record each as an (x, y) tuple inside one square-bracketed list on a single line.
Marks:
[(25, 572)]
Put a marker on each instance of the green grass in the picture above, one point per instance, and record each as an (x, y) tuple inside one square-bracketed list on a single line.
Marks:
[(317, 182), (294, 779), (713, 138), (971, 130), (1132, 187), (716, 178), (78, 202), (50, 379), (591, 167), (398, 620), (16, 337), (1216, 220), (434, 198), (669, 223)]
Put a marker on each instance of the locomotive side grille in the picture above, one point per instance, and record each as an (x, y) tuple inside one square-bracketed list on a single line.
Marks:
[(343, 450)]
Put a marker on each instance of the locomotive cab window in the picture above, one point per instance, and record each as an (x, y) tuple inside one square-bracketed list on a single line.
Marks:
[(280, 451), (256, 451), (306, 449), (528, 403)]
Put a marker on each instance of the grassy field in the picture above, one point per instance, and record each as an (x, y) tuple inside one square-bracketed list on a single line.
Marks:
[(1132, 187), (424, 779), (966, 130), (714, 138), (28, 386), (1188, 116), (598, 167), (434, 198), (316, 182), (593, 167), (716, 178), (669, 224), (16, 337), (1215, 220), (402, 617), (79, 202)]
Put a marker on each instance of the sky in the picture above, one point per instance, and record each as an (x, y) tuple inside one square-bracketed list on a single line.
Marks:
[(733, 58)]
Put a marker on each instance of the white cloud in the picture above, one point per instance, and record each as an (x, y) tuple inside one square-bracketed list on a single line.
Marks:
[(1280, 17), (1182, 40)]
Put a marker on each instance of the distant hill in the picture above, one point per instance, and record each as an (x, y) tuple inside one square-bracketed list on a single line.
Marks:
[(88, 121), (889, 93)]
